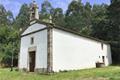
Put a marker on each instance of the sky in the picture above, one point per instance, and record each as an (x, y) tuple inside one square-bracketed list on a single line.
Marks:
[(14, 5)]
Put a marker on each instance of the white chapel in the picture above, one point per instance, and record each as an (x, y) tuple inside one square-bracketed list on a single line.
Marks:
[(46, 47)]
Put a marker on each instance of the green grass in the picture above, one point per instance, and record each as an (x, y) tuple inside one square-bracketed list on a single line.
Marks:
[(107, 73)]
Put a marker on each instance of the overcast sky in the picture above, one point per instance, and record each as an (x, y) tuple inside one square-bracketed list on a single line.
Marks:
[(14, 5)]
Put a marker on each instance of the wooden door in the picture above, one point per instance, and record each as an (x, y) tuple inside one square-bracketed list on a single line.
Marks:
[(32, 61), (103, 58)]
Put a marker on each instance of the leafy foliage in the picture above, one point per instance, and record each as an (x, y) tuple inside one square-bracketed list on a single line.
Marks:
[(6, 17), (99, 21), (9, 40), (9, 37), (74, 19), (22, 20), (46, 10), (58, 17), (114, 17)]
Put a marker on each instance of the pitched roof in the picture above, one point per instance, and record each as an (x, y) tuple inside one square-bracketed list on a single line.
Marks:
[(51, 25)]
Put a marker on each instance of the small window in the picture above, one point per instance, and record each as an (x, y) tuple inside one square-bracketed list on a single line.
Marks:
[(102, 46), (103, 59), (32, 40)]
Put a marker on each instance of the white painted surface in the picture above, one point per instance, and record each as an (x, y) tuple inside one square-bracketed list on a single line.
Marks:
[(33, 28), (107, 51), (71, 52), (40, 41)]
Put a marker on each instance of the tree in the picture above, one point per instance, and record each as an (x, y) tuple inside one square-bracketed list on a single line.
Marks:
[(10, 17), (9, 37), (74, 19), (114, 33), (46, 10), (87, 17), (78, 17), (22, 20), (114, 16), (106, 22), (100, 25), (9, 42), (6, 17), (3, 15), (58, 17)]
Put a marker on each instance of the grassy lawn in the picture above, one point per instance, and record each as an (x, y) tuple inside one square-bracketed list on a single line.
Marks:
[(107, 73)]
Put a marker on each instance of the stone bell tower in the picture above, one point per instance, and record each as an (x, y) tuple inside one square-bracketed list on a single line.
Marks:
[(34, 11)]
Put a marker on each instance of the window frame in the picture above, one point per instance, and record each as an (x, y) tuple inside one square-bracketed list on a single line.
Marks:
[(32, 40)]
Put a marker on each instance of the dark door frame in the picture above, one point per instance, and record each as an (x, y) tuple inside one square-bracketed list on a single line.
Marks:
[(103, 59), (32, 61)]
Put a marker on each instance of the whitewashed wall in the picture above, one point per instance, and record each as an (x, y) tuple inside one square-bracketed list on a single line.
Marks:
[(33, 28), (72, 52), (40, 41), (107, 51)]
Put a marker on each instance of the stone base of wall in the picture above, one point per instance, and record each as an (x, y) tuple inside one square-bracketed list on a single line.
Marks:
[(41, 70), (37, 70), (23, 70)]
